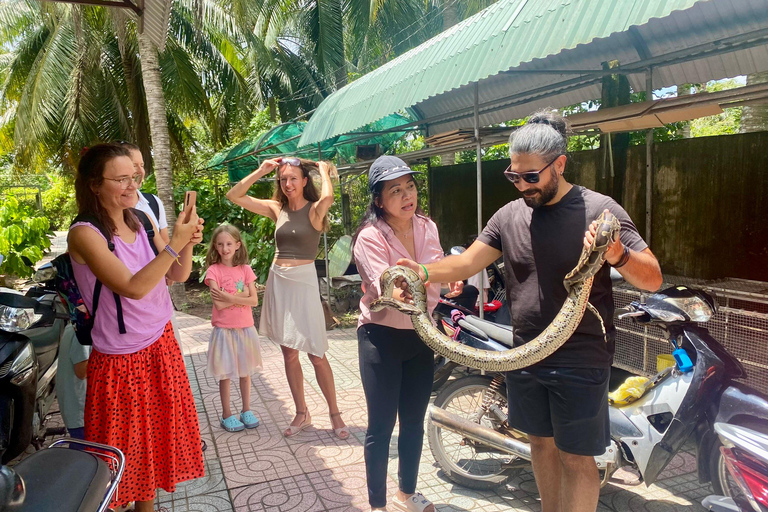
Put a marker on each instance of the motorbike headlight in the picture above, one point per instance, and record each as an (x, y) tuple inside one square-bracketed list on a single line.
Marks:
[(44, 274), (23, 362), (17, 319)]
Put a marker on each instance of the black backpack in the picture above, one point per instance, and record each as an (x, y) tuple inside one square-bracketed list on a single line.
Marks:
[(66, 286), (153, 204)]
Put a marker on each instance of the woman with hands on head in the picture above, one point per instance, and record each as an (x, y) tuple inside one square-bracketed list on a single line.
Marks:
[(138, 396), (292, 314)]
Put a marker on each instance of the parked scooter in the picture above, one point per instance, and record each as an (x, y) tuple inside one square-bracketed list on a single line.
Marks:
[(474, 445), (745, 452), (31, 328), (46, 479)]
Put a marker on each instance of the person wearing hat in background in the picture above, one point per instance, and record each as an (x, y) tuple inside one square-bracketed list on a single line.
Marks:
[(395, 365)]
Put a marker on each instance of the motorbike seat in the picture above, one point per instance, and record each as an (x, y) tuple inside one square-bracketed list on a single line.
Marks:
[(63, 479), (504, 334)]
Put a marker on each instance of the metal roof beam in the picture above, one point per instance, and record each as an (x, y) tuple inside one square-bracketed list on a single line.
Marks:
[(741, 42)]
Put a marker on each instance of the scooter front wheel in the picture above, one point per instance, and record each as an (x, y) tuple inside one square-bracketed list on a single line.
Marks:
[(463, 461)]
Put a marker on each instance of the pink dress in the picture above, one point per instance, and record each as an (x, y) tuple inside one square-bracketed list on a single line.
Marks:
[(234, 350)]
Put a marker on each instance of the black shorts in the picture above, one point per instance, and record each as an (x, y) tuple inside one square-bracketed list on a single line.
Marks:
[(569, 404)]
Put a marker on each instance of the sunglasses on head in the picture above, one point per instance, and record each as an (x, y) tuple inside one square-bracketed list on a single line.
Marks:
[(528, 177), (295, 162)]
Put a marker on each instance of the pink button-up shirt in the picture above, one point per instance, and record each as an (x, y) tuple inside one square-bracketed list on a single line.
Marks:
[(376, 249)]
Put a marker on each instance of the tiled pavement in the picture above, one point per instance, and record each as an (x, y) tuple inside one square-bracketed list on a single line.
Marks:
[(259, 469)]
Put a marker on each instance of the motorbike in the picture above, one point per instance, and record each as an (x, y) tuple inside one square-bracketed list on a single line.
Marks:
[(745, 452), (31, 328), (474, 445), (43, 481)]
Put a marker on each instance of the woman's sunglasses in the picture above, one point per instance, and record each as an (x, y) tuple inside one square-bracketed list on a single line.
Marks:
[(295, 162), (528, 177)]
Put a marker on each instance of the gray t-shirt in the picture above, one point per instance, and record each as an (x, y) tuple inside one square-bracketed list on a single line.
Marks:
[(69, 389), (540, 247)]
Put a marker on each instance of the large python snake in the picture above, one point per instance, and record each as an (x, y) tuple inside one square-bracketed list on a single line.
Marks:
[(578, 283)]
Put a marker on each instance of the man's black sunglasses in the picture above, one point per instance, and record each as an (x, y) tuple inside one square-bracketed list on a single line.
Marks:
[(529, 177)]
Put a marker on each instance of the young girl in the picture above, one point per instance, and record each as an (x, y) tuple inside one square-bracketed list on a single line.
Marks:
[(234, 351)]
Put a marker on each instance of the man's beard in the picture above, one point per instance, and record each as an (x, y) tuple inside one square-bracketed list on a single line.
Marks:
[(545, 194)]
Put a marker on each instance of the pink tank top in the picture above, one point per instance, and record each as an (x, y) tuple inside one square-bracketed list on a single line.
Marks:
[(145, 319)]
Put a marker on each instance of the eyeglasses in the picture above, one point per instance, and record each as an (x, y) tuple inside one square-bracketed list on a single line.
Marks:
[(125, 182), (295, 162), (529, 177)]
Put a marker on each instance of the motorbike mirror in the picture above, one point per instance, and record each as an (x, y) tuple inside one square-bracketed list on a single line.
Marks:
[(45, 273), (456, 250), (27, 261)]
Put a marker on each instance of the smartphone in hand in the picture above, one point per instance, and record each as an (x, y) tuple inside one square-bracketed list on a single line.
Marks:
[(190, 198)]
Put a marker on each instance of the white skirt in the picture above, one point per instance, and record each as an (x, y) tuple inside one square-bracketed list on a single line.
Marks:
[(291, 313), (233, 353)]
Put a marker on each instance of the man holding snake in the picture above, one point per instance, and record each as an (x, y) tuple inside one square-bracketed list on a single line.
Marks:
[(560, 402)]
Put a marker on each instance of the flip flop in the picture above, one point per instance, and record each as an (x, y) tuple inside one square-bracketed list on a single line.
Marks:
[(292, 430)]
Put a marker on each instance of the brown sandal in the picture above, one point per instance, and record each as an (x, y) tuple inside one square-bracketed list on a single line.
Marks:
[(292, 430), (341, 432)]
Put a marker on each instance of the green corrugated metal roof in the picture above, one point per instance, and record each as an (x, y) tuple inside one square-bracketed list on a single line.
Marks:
[(499, 38)]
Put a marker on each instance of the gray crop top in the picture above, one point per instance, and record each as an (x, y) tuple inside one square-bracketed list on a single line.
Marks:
[(295, 236)]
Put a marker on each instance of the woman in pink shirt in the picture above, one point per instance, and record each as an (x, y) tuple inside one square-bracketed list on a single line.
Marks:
[(395, 365)]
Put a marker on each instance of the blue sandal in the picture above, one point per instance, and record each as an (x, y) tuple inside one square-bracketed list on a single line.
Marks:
[(232, 424), (249, 420)]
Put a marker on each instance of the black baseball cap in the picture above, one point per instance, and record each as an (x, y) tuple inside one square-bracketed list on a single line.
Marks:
[(387, 167)]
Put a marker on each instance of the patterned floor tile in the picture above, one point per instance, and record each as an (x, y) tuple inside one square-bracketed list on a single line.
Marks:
[(289, 494), (259, 469)]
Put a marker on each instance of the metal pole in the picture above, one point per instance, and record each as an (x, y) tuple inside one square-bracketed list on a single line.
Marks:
[(648, 160), (325, 241), (478, 152)]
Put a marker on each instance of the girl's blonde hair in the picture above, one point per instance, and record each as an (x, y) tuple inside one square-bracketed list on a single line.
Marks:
[(241, 255)]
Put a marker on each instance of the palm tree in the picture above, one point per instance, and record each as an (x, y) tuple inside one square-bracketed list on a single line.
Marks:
[(72, 75)]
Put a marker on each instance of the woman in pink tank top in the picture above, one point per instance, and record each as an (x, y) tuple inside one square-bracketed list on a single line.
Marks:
[(292, 314), (138, 397)]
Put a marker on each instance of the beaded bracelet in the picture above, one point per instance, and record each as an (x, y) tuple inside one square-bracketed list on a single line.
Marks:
[(173, 253), (426, 274)]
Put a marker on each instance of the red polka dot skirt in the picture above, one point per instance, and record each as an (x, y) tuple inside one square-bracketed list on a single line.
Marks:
[(142, 404)]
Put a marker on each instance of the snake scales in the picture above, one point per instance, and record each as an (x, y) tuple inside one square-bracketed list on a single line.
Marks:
[(578, 283)]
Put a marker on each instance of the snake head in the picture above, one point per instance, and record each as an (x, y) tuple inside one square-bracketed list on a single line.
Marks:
[(394, 276)]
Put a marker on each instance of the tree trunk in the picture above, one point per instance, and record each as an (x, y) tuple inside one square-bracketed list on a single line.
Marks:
[(754, 118), (161, 145), (272, 109), (615, 92), (450, 14)]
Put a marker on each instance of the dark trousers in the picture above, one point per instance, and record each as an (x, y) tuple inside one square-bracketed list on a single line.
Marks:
[(396, 368)]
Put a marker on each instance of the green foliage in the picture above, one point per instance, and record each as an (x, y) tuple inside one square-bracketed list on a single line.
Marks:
[(59, 201), (727, 123), (23, 235), (216, 209)]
